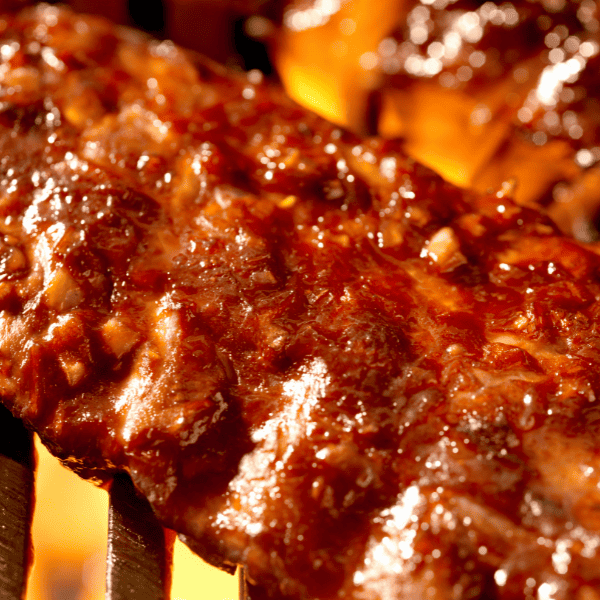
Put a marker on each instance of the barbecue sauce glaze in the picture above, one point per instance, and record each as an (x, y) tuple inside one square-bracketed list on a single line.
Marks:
[(314, 356)]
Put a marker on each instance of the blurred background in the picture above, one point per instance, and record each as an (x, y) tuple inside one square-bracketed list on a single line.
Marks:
[(229, 31)]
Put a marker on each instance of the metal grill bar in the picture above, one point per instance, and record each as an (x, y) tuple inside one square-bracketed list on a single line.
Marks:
[(140, 551), (16, 506), (243, 593), (249, 591)]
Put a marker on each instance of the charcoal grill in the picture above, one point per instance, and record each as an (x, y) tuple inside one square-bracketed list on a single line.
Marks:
[(139, 549)]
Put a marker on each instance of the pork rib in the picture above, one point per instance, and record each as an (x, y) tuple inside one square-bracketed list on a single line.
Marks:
[(313, 356)]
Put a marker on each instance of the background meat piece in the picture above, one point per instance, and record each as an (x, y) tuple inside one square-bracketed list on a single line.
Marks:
[(482, 92)]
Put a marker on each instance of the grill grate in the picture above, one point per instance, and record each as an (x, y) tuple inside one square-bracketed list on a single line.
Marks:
[(139, 549), (16, 505)]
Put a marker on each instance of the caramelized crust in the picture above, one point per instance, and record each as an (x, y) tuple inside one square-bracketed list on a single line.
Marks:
[(313, 356)]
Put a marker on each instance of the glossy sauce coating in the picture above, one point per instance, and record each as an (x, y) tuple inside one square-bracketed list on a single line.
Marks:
[(313, 356)]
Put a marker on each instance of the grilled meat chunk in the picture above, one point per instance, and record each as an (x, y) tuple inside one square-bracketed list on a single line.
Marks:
[(314, 357)]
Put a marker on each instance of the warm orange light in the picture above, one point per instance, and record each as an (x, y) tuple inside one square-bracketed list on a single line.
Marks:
[(441, 130), (329, 63), (328, 68), (69, 536)]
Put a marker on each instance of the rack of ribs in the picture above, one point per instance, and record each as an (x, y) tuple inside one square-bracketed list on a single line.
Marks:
[(314, 357)]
